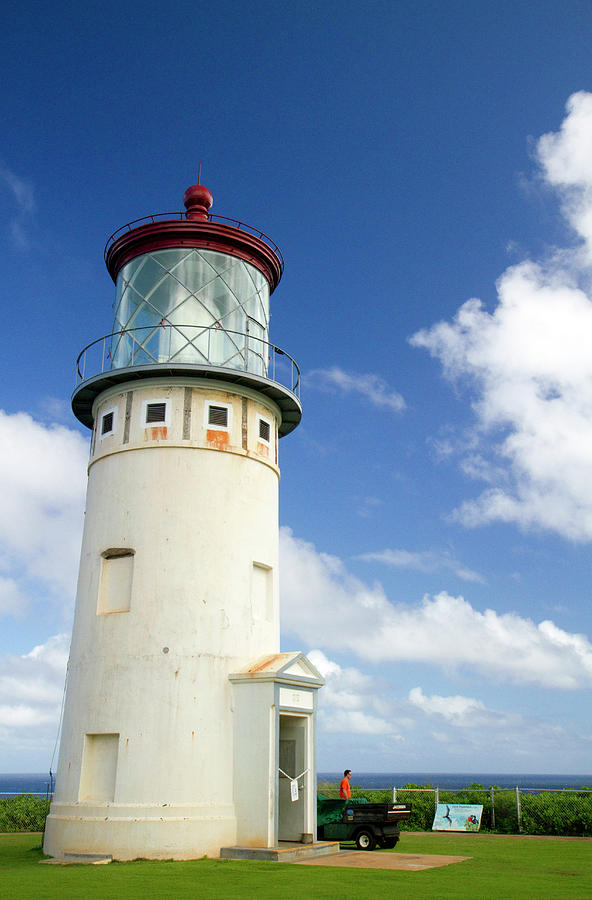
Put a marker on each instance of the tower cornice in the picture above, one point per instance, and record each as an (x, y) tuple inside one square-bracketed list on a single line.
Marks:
[(87, 391), (214, 233)]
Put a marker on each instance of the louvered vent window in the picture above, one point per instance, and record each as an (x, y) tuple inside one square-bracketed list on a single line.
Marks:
[(264, 430), (218, 415), (107, 423), (155, 412)]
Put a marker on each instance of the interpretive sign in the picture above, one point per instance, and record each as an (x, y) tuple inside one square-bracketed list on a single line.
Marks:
[(457, 817)]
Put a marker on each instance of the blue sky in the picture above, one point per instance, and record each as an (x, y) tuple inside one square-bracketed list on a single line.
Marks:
[(436, 506)]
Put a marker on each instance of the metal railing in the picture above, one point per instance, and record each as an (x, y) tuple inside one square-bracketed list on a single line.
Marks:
[(508, 810), (182, 216), (148, 345)]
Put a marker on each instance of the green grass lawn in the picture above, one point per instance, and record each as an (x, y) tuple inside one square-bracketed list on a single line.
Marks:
[(500, 867)]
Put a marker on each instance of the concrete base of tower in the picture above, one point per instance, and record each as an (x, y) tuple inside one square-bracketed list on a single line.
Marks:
[(131, 831)]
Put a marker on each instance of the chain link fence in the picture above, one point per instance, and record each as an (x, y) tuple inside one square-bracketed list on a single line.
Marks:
[(23, 812), (541, 811)]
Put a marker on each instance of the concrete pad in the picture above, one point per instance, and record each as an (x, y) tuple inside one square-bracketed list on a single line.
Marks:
[(378, 859), (287, 851)]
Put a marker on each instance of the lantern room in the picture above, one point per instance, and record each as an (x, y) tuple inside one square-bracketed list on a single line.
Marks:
[(192, 298)]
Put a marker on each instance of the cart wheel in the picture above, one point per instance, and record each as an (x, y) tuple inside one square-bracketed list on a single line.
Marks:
[(389, 843), (365, 840)]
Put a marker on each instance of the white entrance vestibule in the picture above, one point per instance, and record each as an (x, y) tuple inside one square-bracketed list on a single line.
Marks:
[(274, 754)]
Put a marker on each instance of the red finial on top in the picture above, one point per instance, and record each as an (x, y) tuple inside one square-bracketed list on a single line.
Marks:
[(197, 199)]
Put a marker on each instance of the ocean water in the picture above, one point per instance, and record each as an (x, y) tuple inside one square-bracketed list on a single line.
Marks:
[(454, 781), (38, 783), (27, 783)]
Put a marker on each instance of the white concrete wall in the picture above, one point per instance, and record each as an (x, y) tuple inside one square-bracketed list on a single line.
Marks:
[(198, 508)]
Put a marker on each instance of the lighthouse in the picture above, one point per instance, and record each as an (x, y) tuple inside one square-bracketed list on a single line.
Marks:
[(186, 731)]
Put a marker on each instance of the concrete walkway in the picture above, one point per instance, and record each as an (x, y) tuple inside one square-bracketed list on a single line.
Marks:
[(378, 859)]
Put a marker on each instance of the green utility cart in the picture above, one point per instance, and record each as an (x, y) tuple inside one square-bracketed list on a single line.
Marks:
[(368, 824)]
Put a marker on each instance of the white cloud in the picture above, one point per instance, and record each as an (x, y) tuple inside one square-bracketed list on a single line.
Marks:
[(31, 690), (422, 561), (13, 602), (22, 194), (42, 484), (374, 388), (349, 701), (456, 709), (460, 724), (56, 409), (529, 366), (328, 607), (370, 720), (566, 159), (368, 507)]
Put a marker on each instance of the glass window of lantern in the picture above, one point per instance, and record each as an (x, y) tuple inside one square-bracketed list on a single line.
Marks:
[(191, 305)]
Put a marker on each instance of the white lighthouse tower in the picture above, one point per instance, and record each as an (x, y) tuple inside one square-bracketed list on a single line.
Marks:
[(185, 729)]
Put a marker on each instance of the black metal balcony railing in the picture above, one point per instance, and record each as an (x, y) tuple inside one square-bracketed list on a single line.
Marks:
[(194, 346)]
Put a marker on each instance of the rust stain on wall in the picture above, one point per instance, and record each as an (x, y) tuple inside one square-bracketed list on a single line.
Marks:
[(218, 439), (158, 433), (262, 449)]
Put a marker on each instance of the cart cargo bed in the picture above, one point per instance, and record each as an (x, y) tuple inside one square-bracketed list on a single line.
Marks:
[(368, 824)]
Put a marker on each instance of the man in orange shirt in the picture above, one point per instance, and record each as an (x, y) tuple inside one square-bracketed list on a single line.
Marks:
[(344, 787)]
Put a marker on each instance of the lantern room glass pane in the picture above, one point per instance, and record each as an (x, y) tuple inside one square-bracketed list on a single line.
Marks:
[(188, 305)]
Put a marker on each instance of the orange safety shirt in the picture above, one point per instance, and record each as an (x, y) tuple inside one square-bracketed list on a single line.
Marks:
[(345, 789)]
